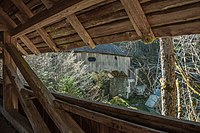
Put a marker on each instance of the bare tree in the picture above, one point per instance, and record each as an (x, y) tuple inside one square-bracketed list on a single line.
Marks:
[(188, 64)]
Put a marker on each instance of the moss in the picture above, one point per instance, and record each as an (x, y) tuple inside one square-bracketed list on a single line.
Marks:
[(148, 39), (119, 101)]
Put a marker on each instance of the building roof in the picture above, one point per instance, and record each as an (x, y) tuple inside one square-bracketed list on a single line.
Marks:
[(104, 49)]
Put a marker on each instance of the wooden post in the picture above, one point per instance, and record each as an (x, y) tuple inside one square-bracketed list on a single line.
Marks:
[(168, 81), (10, 100), (15, 100)]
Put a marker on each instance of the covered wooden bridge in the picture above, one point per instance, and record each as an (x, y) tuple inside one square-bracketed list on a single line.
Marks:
[(37, 26)]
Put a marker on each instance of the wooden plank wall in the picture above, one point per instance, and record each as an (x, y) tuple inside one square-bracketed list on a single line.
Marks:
[(86, 124), (91, 126)]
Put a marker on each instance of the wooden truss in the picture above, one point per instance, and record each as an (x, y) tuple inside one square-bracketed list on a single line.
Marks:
[(126, 20)]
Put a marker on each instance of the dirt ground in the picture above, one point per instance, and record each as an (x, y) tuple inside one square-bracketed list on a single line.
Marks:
[(5, 126)]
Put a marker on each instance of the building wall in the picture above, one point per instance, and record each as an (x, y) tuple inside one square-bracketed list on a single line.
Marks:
[(105, 62)]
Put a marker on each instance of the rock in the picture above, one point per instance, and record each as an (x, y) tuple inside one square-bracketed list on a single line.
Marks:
[(140, 89), (153, 101)]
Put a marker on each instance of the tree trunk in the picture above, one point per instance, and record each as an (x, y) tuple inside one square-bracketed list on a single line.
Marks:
[(168, 81)]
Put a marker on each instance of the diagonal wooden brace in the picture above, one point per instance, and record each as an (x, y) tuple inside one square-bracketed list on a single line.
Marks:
[(31, 111), (139, 20), (62, 119)]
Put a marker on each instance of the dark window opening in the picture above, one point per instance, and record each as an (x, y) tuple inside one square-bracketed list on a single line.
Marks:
[(91, 59)]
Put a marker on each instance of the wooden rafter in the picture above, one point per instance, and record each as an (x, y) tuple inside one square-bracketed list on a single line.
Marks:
[(24, 9), (76, 24), (101, 16), (29, 44), (11, 24), (47, 38), (57, 12), (6, 20), (138, 20), (21, 49)]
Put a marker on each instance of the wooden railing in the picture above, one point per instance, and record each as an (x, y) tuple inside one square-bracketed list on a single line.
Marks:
[(99, 117)]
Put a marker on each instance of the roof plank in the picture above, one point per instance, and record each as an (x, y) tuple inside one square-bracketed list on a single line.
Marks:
[(168, 30), (76, 24), (167, 4), (57, 12), (45, 36), (138, 19)]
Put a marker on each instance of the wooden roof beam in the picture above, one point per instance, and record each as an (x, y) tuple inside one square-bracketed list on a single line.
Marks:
[(10, 25), (45, 36), (6, 20), (58, 11), (29, 44), (76, 24), (19, 47), (138, 20), (22, 7)]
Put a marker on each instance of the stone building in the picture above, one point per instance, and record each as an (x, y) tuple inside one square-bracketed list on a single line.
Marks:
[(110, 58)]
